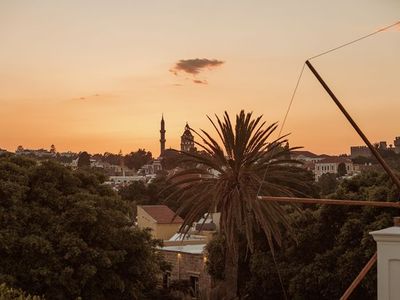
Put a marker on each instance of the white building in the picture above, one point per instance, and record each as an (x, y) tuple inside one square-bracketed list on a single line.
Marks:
[(331, 165), (307, 156), (124, 180), (151, 169)]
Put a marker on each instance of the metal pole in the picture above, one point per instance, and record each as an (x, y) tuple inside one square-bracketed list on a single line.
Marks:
[(395, 179), (359, 277), (331, 201)]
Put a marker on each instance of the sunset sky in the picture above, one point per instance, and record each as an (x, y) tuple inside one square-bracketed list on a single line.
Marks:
[(97, 75)]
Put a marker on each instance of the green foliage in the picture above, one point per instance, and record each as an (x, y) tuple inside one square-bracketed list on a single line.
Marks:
[(341, 171), (64, 235), (327, 183), (83, 160), (332, 246), (215, 264), (171, 159), (7, 293), (226, 177), (244, 158), (135, 160), (153, 193)]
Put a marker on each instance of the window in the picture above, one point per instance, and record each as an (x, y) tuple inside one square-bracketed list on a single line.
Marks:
[(166, 279), (194, 286)]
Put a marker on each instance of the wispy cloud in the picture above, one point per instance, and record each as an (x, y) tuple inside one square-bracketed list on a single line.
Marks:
[(200, 81), (93, 97), (194, 67)]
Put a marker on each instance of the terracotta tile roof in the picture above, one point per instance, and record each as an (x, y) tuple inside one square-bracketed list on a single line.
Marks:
[(305, 153), (334, 159), (161, 213)]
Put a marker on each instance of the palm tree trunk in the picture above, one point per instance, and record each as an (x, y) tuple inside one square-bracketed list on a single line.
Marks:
[(231, 274)]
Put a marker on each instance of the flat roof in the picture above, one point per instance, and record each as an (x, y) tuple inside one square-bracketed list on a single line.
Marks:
[(192, 249)]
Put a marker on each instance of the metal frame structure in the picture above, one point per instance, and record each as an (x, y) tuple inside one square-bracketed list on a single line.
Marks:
[(382, 162)]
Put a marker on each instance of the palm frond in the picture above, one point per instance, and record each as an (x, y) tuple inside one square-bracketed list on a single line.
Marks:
[(242, 154)]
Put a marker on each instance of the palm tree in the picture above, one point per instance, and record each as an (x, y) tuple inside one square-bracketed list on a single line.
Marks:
[(227, 177)]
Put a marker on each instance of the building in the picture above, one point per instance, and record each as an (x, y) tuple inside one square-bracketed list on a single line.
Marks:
[(151, 169), (382, 145), (159, 218), (123, 180), (188, 263), (307, 156), (331, 165), (396, 144), (363, 151), (186, 254), (162, 136), (187, 140)]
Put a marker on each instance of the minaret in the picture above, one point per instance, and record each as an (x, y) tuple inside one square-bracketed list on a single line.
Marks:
[(162, 135)]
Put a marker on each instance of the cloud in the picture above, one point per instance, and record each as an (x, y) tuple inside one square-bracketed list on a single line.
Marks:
[(93, 97), (195, 66), (200, 81), (86, 97)]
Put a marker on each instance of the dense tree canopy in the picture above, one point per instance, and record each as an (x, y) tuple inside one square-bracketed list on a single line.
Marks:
[(140, 193), (327, 184), (7, 293), (332, 244), (84, 160), (341, 171), (63, 235), (135, 160)]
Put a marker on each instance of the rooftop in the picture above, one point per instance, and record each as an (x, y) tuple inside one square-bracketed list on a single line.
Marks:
[(162, 214), (334, 159), (192, 249), (305, 153)]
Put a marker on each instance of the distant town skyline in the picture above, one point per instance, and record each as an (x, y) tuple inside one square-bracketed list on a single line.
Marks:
[(97, 76)]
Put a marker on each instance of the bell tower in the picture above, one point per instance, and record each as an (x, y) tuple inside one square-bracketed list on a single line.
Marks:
[(187, 140)]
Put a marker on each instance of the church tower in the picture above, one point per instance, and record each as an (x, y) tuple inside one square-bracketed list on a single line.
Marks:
[(162, 137), (187, 140)]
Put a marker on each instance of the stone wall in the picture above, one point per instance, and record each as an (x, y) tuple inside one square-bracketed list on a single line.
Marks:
[(185, 265)]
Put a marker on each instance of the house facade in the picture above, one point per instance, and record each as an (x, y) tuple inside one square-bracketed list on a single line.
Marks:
[(331, 165), (160, 219), (188, 264)]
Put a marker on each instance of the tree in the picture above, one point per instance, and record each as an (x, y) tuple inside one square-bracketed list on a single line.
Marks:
[(53, 149), (111, 158), (73, 233), (341, 170), (171, 159), (330, 242), (327, 183), (7, 293), (245, 161), (139, 193), (135, 160), (83, 160)]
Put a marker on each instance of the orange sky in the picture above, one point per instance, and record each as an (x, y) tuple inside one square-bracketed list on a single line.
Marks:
[(95, 75)]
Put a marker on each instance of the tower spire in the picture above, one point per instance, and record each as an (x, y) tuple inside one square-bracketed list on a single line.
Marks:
[(162, 136)]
